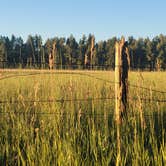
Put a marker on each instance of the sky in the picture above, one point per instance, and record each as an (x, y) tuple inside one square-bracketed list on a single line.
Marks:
[(103, 18)]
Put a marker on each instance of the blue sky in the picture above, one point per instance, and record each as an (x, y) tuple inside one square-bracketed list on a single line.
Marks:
[(103, 18)]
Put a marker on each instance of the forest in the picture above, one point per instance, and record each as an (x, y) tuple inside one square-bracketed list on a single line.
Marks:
[(145, 53)]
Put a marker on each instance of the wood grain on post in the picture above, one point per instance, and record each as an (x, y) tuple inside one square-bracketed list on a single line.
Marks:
[(117, 98), (122, 63), (117, 82)]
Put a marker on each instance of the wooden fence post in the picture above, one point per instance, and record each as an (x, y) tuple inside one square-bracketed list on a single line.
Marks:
[(122, 63), (117, 98), (117, 82)]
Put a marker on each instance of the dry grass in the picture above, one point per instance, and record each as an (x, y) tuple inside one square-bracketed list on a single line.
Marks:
[(82, 132)]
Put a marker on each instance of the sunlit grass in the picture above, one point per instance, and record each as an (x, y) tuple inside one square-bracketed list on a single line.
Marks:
[(79, 132)]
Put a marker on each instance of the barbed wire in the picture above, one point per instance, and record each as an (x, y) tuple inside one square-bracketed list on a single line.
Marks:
[(148, 89), (146, 100), (149, 100)]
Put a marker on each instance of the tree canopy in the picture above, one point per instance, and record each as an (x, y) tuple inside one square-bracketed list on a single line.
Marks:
[(145, 53)]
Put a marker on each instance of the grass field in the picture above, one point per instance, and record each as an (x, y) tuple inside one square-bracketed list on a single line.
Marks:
[(67, 118)]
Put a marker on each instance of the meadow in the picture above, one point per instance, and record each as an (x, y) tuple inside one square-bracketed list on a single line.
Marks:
[(67, 118)]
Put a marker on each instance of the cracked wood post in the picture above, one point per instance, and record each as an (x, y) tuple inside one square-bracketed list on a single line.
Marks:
[(117, 98), (122, 63)]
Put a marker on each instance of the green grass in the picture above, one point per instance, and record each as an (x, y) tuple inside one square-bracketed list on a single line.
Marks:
[(79, 132)]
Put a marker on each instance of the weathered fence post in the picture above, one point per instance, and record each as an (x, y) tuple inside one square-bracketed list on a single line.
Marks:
[(117, 81), (122, 63), (117, 98)]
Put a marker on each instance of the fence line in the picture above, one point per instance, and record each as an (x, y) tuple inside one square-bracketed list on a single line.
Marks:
[(83, 74), (55, 100), (58, 72), (63, 114), (56, 113), (148, 89), (79, 100), (46, 114), (150, 100)]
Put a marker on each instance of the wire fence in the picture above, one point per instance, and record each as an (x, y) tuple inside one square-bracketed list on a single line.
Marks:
[(81, 74), (82, 99), (81, 114), (146, 100), (55, 100), (57, 113)]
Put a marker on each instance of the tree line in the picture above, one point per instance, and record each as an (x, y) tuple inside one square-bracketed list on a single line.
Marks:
[(145, 53)]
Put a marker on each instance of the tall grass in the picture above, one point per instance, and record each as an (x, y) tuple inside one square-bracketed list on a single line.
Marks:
[(79, 132)]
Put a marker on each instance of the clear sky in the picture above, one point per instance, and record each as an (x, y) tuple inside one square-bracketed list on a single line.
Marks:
[(103, 18)]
